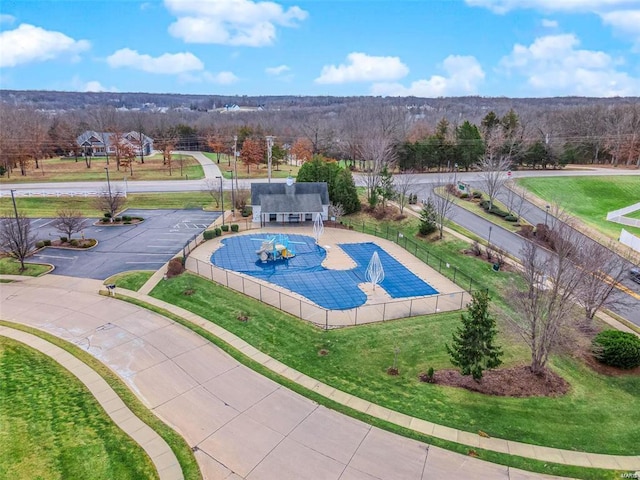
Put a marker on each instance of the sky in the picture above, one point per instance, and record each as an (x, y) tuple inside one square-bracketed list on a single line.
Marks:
[(425, 48)]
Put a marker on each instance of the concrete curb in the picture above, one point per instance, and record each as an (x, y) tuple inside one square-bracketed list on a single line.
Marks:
[(158, 450)]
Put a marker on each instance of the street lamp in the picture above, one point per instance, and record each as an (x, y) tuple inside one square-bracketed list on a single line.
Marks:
[(489, 239), (15, 210), (221, 199), (108, 182), (233, 197), (546, 213)]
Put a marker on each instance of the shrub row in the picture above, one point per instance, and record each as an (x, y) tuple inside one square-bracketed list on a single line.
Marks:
[(617, 349), (216, 232)]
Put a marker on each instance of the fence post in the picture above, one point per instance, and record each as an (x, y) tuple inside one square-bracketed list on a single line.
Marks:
[(197, 266), (326, 319), (405, 242), (243, 285), (300, 305), (470, 283), (260, 290), (455, 271), (280, 300), (384, 310), (356, 320), (437, 298), (440, 266), (211, 270), (461, 300), (226, 274), (410, 306)]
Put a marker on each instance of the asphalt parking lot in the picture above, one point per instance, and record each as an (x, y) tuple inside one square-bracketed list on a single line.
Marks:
[(145, 246)]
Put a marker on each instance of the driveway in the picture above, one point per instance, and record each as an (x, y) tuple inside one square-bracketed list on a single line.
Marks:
[(145, 246)]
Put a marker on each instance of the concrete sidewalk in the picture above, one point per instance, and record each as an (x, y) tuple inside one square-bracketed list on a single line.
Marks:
[(240, 424), (159, 452)]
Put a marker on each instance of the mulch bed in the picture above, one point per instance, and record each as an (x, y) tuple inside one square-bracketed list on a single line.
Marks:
[(507, 382), (86, 243)]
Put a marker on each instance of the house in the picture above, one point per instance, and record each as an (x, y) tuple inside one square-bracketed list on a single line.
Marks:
[(289, 202), (99, 144)]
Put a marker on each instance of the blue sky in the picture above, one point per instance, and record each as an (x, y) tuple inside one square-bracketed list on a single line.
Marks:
[(428, 48)]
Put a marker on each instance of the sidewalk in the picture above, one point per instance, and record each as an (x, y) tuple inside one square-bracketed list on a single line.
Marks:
[(159, 452)]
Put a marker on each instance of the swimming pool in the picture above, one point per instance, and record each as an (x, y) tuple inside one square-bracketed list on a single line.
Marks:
[(305, 275)]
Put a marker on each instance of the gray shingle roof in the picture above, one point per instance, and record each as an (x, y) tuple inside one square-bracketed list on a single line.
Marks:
[(301, 203), (260, 191)]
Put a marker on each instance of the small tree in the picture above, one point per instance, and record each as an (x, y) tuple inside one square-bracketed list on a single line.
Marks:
[(473, 349), (442, 199), (428, 218), (386, 190), (211, 186), (402, 185), (15, 237), (69, 222), (110, 201)]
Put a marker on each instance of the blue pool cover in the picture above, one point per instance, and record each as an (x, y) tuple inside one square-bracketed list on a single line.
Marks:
[(304, 274)]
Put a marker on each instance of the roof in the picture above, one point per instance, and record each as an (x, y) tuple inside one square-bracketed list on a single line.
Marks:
[(303, 203), (100, 137), (260, 191)]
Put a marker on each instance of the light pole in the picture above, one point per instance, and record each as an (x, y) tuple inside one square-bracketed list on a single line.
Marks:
[(108, 182), (15, 210), (489, 239), (546, 213), (233, 197), (235, 158), (221, 199)]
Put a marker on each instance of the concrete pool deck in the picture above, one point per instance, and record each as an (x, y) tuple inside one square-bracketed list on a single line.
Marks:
[(337, 259)]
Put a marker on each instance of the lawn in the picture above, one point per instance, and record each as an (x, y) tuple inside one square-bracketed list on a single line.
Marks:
[(10, 266), (52, 427), (277, 171), (46, 207), (133, 280), (589, 198), (63, 169), (358, 358)]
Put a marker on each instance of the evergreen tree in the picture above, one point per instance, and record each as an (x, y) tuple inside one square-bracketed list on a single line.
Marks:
[(428, 218), (386, 190), (472, 349), (345, 193), (340, 184)]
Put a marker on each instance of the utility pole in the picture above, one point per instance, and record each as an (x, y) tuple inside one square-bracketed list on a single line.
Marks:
[(233, 197), (18, 223), (108, 182), (235, 159), (221, 198), (269, 147)]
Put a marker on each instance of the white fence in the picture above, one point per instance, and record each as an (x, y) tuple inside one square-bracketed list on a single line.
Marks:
[(630, 240), (618, 216)]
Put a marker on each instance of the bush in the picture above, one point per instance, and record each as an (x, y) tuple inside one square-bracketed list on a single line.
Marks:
[(107, 215), (617, 349), (208, 234), (484, 204), (429, 376), (40, 244), (175, 267), (89, 243), (73, 243), (105, 220), (126, 218), (246, 211), (47, 243), (235, 227), (64, 239), (464, 195), (118, 219), (225, 228), (477, 194), (511, 218), (217, 232)]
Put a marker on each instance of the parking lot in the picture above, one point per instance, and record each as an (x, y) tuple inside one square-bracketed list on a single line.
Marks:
[(145, 246)]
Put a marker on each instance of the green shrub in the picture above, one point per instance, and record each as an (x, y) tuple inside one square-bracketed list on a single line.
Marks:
[(484, 204), (137, 218), (89, 243), (225, 228), (105, 220), (208, 234), (107, 215), (126, 218), (47, 243), (73, 243), (511, 218), (217, 232), (246, 211), (127, 222), (476, 194), (40, 244), (464, 195), (64, 239), (118, 219), (234, 227), (617, 349)]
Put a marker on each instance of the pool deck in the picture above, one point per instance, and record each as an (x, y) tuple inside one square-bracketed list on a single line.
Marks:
[(337, 259)]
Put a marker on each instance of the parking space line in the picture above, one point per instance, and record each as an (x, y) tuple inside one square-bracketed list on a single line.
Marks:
[(55, 256), (156, 263)]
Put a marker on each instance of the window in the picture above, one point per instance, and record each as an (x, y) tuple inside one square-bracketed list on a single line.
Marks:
[(272, 217), (308, 217)]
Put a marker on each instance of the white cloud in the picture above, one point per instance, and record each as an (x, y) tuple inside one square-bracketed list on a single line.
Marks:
[(96, 86), (554, 65), (231, 22), (504, 6), (549, 23), (626, 22), (167, 63), (28, 43), (464, 74), (361, 67), (275, 71), (6, 18), (220, 78)]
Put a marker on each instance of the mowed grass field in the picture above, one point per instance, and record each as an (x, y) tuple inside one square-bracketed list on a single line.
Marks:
[(358, 358), (51, 427), (65, 169), (589, 198)]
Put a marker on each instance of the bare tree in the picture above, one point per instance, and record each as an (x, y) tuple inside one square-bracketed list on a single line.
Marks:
[(442, 200), (376, 151), (550, 284), (110, 201), (493, 174), (16, 238), (603, 270), (336, 210), (515, 200), (69, 222), (211, 186), (403, 184)]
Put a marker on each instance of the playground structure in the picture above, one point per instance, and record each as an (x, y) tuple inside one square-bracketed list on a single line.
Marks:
[(276, 248)]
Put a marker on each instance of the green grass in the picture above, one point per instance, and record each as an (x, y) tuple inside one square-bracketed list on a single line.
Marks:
[(180, 448), (68, 170), (358, 359), (52, 427), (10, 266), (48, 206), (474, 207), (130, 280), (589, 198), (488, 455), (281, 171)]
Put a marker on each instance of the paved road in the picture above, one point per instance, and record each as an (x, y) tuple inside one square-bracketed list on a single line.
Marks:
[(145, 246), (240, 424)]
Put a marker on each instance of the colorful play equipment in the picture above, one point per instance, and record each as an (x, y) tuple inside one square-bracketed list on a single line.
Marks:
[(276, 248)]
